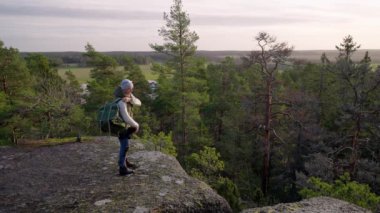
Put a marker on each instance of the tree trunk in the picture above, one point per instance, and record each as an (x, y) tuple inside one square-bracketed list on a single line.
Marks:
[(268, 121), (49, 116), (354, 155), (221, 113), (183, 104), (321, 81), (219, 130), (4, 84), (183, 108), (14, 137)]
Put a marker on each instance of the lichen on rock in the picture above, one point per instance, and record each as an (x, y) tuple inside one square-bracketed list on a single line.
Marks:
[(312, 205)]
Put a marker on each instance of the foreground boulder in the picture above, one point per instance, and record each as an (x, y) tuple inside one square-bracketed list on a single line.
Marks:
[(83, 177), (312, 205)]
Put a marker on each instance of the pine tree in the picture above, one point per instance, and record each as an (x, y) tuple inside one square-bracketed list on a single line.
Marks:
[(105, 78), (268, 59), (357, 83), (180, 45), (16, 93)]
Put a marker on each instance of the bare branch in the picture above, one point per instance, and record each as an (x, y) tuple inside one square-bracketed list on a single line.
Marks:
[(275, 134)]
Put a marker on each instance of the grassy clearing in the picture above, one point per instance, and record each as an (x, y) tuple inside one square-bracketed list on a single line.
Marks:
[(83, 73), (5, 143), (375, 66), (148, 73), (53, 141)]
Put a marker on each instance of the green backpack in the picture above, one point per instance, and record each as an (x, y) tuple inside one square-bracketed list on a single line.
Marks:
[(109, 118)]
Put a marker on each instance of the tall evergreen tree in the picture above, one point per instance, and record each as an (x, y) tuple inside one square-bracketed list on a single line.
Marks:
[(144, 115), (180, 45), (56, 111), (165, 105), (269, 57), (357, 84), (229, 117), (16, 94), (105, 77)]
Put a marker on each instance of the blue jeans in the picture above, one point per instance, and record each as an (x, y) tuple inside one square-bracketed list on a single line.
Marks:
[(124, 145)]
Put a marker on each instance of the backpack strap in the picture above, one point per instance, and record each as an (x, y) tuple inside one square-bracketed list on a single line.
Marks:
[(116, 101), (109, 111)]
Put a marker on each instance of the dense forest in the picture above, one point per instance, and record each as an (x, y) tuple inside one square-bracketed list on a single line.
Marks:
[(260, 130)]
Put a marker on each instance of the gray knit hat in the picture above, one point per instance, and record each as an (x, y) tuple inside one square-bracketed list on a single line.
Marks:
[(126, 84)]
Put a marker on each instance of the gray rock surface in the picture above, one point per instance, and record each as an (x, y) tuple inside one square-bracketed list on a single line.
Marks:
[(312, 205), (83, 177)]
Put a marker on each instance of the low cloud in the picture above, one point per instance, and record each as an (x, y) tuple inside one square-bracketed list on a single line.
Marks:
[(141, 15), (41, 11), (228, 24), (225, 20)]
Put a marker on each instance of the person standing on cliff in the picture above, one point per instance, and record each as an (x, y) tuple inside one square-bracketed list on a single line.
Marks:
[(124, 91)]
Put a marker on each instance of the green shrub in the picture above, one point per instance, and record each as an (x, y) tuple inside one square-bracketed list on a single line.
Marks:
[(344, 189), (164, 143), (228, 189), (207, 166), (5, 142)]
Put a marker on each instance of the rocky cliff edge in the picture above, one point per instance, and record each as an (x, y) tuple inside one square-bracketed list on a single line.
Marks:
[(83, 177)]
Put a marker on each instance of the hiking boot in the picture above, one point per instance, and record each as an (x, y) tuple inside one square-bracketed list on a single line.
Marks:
[(123, 171), (130, 165)]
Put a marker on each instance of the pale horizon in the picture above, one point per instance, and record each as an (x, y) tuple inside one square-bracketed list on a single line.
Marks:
[(225, 25), (133, 51)]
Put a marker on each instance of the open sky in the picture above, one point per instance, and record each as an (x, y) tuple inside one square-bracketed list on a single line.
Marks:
[(130, 25)]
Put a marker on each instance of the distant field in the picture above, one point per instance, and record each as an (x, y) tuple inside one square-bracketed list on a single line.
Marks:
[(313, 56), (149, 74), (83, 73), (375, 66)]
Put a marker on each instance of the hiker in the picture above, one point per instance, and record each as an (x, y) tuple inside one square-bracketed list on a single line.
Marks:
[(124, 91)]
